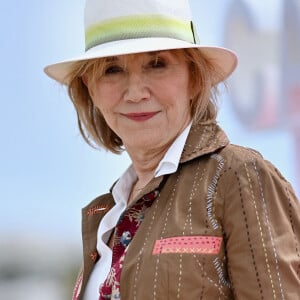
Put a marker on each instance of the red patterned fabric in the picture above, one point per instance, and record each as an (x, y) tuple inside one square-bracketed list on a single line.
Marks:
[(125, 230)]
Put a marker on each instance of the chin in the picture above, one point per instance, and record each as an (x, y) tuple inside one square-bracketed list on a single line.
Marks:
[(140, 142)]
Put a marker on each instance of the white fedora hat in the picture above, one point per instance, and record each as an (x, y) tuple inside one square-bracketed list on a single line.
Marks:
[(118, 27)]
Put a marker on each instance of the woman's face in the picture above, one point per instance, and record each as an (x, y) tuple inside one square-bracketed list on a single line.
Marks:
[(144, 98)]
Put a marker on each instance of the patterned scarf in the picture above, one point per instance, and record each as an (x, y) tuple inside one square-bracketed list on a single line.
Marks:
[(125, 230)]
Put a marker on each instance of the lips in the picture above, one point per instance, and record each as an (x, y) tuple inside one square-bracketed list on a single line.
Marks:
[(141, 116)]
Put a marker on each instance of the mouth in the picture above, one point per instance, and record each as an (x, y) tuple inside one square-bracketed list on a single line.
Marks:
[(141, 116)]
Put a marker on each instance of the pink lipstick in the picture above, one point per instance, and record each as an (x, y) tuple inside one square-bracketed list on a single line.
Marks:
[(141, 116)]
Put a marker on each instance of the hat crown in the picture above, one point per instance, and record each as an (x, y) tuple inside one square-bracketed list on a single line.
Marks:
[(113, 20), (98, 11), (120, 27)]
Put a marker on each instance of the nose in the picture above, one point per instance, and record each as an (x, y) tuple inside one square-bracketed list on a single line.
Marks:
[(136, 87)]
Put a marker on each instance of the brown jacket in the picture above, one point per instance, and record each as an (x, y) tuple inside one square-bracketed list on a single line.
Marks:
[(225, 226)]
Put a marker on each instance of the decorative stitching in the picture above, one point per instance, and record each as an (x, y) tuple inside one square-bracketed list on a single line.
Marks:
[(203, 279), (98, 209), (180, 277), (209, 279), (248, 237), (201, 146), (143, 247), (260, 231), (94, 256), (269, 228), (189, 245), (188, 220), (219, 269), (192, 194), (211, 192), (171, 200), (78, 285)]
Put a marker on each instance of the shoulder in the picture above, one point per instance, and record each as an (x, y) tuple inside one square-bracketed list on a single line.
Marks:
[(244, 169), (245, 172), (237, 157)]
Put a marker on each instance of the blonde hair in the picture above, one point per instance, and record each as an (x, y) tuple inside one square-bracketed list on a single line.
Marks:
[(91, 123)]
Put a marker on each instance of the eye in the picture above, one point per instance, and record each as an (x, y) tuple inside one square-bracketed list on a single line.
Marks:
[(157, 63), (114, 69)]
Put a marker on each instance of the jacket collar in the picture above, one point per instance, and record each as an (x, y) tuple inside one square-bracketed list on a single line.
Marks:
[(204, 138)]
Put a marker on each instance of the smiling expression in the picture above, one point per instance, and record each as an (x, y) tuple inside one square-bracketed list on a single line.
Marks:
[(144, 98)]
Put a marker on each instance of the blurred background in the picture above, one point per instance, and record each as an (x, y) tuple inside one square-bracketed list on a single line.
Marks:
[(47, 172)]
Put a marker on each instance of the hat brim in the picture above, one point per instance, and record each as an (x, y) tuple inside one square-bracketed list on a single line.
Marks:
[(224, 59)]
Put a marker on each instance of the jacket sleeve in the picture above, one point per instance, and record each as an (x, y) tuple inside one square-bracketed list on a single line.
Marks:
[(262, 232)]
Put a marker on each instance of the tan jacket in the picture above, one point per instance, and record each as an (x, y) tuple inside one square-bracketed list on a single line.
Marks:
[(225, 226)]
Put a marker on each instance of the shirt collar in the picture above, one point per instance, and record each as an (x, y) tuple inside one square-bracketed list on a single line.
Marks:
[(167, 165), (122, 188), (170, 161)]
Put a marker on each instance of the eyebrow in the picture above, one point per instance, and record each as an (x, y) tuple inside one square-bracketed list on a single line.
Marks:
[(150, 53)]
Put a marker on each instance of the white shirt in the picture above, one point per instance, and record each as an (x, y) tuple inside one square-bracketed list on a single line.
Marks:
[(120, 192)]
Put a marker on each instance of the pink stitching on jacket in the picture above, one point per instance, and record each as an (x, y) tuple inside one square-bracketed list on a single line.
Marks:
[(189, 245), (94, 256), (98, 209), (77, 288)]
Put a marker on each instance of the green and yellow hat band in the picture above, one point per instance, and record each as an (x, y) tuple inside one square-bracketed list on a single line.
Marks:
[(139, 26)]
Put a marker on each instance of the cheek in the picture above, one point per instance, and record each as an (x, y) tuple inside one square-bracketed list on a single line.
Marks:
[(103, 99), (178, 95)]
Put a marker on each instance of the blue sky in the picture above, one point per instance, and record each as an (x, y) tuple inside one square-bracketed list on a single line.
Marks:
[(47, 172)]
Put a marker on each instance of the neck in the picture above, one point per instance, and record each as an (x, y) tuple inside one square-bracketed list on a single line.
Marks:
[(145, 163)]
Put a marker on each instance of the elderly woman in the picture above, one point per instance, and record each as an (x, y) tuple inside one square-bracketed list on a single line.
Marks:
[(193, 217)]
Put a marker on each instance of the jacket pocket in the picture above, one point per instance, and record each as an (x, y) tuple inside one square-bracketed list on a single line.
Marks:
[(194, 267), (188, 245)]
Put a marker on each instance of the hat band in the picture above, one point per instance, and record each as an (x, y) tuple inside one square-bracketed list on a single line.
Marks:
[(141, 26)]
